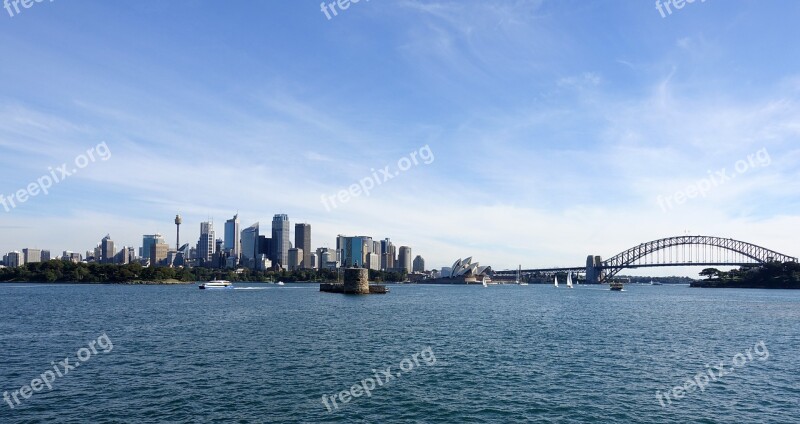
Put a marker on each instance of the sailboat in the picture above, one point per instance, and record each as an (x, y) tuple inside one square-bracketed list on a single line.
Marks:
[(520, 282), (569, 280), (556, 282)]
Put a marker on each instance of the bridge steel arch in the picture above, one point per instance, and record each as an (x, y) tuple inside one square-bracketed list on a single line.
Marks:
[(628, 258)]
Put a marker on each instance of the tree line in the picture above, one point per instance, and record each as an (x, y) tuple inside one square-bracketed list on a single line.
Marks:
[(67, 272)]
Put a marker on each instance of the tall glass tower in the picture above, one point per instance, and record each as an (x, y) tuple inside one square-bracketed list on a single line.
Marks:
[(250, 242), (302, 240), (232, 240), (280, 240)]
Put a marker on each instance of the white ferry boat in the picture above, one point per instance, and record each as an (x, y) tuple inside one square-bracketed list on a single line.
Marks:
[(216, 284)]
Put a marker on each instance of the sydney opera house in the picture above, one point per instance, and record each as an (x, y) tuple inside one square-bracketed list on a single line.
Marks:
[(463, 272)]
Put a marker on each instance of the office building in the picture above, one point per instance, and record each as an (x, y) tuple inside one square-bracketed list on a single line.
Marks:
[(233, 244), (388, 255), (373, 261), (314, 261), (250, 248), (205, 246), (107, 251), (280, 240), (147, 244), (46, 256), (158, 254), (13, 259), (30, 256), (404, 259), (265, 246), (419, 264), (295, 258), (302, 240), (355, 251)]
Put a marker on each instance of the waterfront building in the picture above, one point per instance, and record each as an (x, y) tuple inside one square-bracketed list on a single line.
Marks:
[(280, 240), (404, 259), (419, 264), (302, 240), (462, 272)]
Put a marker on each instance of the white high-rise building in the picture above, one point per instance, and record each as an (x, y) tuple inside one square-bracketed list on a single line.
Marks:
[(205, 246)]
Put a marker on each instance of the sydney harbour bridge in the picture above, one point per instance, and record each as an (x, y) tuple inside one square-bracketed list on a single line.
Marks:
[(672, 251)]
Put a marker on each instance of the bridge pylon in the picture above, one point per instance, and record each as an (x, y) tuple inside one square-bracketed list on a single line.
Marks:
[(594, 270)]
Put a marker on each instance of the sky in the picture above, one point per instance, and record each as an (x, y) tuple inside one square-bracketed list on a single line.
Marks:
[(528, 132)]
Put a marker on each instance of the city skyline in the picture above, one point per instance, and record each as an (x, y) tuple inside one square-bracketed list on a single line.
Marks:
[(546, 145)]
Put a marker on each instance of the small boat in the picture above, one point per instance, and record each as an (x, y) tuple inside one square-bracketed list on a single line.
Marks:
[(280, 283), (555, 283), (216, 284), (484, 283), (569, 280), (615, 286)]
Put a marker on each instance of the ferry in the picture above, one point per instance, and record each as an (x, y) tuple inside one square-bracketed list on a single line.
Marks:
[(615, 286), (216, 284)]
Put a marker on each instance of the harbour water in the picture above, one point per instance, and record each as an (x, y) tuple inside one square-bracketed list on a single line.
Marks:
[(263, 353)]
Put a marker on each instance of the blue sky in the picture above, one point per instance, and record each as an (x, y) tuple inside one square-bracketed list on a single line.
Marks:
[(555, 125)]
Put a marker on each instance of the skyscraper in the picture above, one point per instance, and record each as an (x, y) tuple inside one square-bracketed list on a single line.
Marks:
[(205, 246), (355, 251), (13, 259), (280, 240), (107, 250), (419, 264), (388, 255), (302, 240), (404, 258), (158, 253), (147, 244), (249, 244), (233, 243)]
